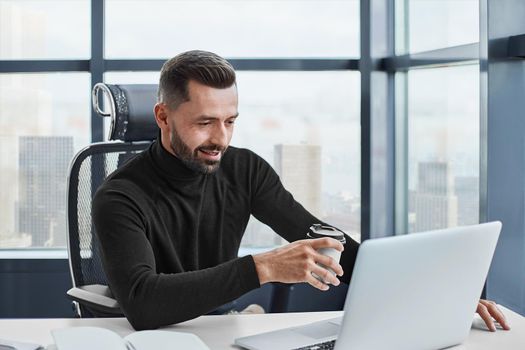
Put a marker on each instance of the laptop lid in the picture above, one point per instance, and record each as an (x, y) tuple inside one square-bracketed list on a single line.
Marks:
[(417, 291)]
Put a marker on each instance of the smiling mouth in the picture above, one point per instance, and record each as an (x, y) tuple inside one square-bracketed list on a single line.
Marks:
[(210, 155)]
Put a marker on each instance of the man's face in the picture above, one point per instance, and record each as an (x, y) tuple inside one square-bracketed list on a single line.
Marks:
[(199, 131)]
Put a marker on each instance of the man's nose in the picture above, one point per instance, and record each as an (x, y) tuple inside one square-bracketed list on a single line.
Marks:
[(220, 135)]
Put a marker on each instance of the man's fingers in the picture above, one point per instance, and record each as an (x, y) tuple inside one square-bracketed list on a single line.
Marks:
[(314, 282), (485, 315), (496, 313), (488, 303), (325, 275), (326, 243), (330, 263)]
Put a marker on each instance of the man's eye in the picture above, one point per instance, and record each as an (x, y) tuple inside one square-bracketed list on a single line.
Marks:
[(231, 121), (204, 123)]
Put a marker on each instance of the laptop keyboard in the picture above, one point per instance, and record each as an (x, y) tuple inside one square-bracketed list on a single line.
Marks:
[(328, 345)]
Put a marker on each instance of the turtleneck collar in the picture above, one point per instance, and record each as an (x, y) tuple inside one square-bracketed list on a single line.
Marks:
[(170, 165)]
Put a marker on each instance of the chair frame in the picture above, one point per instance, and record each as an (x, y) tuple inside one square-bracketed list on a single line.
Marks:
[(94, 299)]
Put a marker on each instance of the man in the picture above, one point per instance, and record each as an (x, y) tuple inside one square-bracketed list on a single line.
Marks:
[(171, 220)]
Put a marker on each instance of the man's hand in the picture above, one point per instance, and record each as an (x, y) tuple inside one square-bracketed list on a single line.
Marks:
[(488, 310), (295, 263)]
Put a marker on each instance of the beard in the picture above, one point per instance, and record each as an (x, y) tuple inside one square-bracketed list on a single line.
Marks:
[(191, 158)]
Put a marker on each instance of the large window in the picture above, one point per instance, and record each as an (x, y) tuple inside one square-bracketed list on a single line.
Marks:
[(297, 71)]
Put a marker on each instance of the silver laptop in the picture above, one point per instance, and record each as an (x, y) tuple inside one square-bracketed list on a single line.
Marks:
[(417, 291)]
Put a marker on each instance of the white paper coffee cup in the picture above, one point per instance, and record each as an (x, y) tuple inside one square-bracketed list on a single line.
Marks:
[(322, 231)]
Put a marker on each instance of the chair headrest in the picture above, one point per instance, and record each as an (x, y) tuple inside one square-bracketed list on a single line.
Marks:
[(130, 109)]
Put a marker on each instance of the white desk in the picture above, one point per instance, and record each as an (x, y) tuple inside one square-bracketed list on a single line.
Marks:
[(218, 332)]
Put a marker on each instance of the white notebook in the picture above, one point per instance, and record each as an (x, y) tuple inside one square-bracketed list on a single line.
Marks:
[(89, 338)]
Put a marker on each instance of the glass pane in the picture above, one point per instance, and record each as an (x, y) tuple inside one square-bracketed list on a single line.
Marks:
[(443, 147), (434, 24), (323, 110), (44, 29), (44, 120), (232, 28)]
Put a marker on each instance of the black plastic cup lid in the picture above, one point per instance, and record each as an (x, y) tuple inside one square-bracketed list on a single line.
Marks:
[(322, 231)]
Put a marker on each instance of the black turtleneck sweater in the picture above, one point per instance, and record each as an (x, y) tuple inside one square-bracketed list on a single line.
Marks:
[(170, 236)]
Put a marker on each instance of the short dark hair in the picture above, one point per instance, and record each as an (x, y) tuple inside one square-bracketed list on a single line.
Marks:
[(204, 67)]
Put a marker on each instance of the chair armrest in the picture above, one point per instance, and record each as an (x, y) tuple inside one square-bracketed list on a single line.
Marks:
[(97, 297)]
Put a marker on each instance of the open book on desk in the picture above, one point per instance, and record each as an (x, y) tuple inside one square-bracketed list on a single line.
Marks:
[(90, 338), (16, 345)]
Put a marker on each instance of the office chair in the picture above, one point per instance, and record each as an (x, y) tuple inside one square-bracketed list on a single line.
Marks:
[(132, 130)]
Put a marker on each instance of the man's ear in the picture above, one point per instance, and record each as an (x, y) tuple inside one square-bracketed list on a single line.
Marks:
[(161, 115)]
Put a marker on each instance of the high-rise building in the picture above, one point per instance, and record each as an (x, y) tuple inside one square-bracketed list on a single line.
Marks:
[(467, 191), (435, 203), (43, 163), (299, 167)]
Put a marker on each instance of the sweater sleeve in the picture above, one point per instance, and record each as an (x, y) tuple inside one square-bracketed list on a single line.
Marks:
[(149, 299), (273, 205)]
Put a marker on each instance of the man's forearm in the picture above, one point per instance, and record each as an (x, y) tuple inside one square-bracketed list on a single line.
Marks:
[(151, 300)]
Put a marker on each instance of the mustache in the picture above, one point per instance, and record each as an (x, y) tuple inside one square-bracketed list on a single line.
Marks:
[(212, 148)]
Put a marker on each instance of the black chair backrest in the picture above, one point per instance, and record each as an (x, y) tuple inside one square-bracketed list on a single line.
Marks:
[(130, 109), (133, 128)]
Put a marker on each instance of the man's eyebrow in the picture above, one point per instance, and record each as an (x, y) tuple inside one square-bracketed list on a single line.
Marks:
[(206, 117), (209, 117)]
